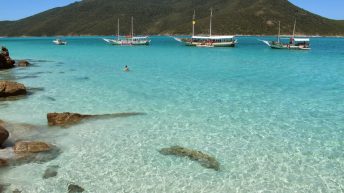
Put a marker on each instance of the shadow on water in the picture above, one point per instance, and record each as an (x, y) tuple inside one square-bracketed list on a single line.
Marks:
[(82, 78), (7, 75), (38, 61), (26, 77), (30, 91), (49, 98)]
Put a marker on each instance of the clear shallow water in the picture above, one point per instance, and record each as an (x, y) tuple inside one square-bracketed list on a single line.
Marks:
[(273, 118)]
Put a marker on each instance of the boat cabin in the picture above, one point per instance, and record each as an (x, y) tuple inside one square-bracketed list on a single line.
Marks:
[(301, 42)]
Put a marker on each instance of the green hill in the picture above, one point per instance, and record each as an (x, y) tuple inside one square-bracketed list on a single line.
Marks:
[(99, 17)]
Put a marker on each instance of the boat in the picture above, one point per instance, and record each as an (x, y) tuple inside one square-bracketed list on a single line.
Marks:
[(208, 41), (292, 44), (129, 40), (59, 42)]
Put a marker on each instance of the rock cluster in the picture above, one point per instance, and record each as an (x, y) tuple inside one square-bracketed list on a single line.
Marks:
[(204, 159), (5, 60)]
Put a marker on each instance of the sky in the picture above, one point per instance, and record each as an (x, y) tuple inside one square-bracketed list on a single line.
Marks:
[(17, 9)]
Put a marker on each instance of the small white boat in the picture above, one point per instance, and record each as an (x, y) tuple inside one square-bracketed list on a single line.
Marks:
[(59, 42)]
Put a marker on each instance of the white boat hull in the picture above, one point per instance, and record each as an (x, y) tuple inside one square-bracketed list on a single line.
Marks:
[(127, 42), (56, 42)]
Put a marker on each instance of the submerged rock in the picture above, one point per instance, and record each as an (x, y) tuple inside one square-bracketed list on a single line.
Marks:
[(27, 152), (5, 60), (67, 119), (16, 191), (23, 63), (8, 88), (3, 135), (204, 159), (19, 131), (31, 147), (72, 188), (63, 119), (50, 172), (3, 163), (4, 187)]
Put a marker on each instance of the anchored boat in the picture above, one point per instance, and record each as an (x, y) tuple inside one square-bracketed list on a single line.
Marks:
[(59, 42), (208, 41), (130, 40), (292, 44)]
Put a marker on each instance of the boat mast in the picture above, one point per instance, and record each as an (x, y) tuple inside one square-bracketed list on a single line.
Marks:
[(279, 31), (211, 17), (193, 23), (132, 26), (294, 28), (117, 28)]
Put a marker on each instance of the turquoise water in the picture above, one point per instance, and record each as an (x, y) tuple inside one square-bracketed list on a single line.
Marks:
[(273, 118)]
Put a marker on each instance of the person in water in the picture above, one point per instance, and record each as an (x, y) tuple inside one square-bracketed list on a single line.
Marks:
[(126, 68)]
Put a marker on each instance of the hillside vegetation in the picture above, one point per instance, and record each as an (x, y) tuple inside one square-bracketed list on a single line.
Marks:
[(99, 17)]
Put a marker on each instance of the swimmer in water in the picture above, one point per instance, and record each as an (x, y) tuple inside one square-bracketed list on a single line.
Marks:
[(126, 68)]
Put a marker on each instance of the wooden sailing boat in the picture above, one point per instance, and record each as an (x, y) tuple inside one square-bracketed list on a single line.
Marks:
[(129, 40), (293, 44), (208, 41)]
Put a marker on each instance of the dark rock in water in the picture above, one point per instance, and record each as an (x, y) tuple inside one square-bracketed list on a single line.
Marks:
[(3, 187), (204, 159), (23, 63), (50, 172), (3, 135), (8, 88), (72, 188), (16, 191), (3, 163), (67, 119), (5, 60)]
